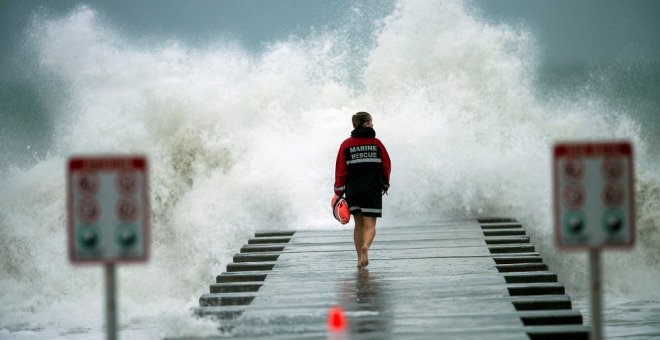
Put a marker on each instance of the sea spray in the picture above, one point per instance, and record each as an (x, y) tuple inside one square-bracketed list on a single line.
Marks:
[(240, 141)]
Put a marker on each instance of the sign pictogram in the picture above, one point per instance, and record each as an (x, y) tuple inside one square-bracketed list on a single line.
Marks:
[(612, 168), (108, 209), (126, 183), (613, 194), (573, 196), (88, 209), (88, 182), (573, 168), (127, 209)]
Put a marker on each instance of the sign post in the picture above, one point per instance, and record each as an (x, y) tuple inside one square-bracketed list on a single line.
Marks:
[(593, 196), (108, 217), (110, 301), (596, 295)]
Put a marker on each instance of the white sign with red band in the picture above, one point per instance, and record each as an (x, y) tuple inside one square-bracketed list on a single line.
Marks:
[(108, 209), (593, 195)]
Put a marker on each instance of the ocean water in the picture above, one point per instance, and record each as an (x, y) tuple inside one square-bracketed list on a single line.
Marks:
[(240, 140)]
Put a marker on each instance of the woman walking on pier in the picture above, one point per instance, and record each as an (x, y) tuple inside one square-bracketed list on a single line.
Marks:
[(362, 173)]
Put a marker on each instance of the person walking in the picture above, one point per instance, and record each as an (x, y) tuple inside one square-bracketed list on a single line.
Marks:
[(362, 172)]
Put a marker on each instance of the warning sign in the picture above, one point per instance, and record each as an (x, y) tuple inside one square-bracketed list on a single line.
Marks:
[(108, 209), (593, 194)]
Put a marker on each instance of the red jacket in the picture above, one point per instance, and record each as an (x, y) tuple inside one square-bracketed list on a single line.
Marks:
[(363, 163)]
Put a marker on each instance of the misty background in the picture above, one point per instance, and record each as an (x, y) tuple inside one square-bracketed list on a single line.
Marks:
[(604, 47)]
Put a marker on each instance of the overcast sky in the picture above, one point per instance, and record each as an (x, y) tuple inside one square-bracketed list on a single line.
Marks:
[(586, 30), (567, 30)]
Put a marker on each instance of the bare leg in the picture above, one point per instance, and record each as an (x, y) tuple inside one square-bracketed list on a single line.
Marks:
[(369, 229), (358, 235)]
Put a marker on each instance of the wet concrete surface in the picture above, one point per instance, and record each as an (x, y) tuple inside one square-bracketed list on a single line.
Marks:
[(454, 280)]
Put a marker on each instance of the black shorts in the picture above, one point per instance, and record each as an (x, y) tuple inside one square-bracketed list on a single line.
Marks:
[(368, 204)]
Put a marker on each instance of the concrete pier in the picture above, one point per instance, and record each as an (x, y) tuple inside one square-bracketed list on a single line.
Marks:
[(475, 279)]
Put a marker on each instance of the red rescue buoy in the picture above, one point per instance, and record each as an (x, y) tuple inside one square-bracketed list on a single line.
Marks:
[(340, 209)]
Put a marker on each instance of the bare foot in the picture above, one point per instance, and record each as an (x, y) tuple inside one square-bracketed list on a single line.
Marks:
[(364, 257)]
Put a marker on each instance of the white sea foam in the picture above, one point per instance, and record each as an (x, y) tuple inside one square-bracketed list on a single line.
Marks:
[(241, 141)]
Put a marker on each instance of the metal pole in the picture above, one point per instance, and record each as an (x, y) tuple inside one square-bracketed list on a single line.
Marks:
[(110, 301), (596, 295)]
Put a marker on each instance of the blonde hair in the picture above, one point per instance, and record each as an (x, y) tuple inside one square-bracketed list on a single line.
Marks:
[(360, 118)]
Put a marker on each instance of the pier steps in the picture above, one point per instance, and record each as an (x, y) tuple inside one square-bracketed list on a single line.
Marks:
[(474, 279)]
